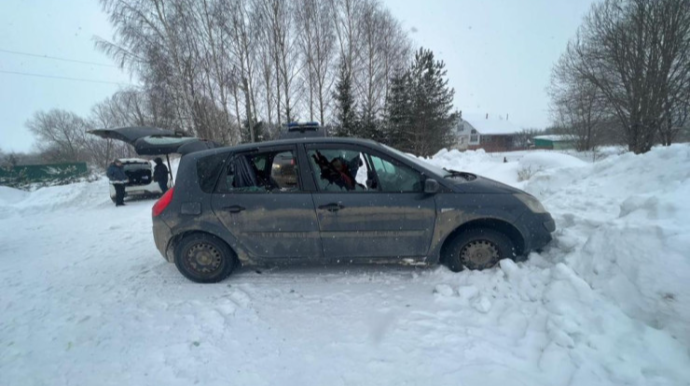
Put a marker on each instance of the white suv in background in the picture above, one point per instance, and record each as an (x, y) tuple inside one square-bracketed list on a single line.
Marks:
[(149, 141), (140, 175)]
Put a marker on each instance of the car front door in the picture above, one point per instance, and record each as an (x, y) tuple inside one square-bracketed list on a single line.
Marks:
[(369, 205), (260, 199)]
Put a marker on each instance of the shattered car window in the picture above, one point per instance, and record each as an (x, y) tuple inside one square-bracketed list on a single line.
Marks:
[(268, 172)]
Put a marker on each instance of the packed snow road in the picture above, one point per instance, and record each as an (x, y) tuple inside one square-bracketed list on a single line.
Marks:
[(86, 299)]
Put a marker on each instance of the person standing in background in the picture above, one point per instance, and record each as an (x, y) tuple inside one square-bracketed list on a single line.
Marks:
[(116, 175), (160, 174)]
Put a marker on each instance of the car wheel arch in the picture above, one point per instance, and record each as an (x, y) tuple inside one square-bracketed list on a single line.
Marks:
[(240, 257), (502, 226)]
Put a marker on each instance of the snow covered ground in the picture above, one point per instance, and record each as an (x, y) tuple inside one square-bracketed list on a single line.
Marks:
[(85, 298)]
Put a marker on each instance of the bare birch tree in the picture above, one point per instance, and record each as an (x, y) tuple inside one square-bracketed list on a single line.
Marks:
[(213, 67), (637, 53), (578, 106), (317, 41)]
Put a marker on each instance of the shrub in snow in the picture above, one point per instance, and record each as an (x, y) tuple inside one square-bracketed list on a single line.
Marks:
[(526, 172)]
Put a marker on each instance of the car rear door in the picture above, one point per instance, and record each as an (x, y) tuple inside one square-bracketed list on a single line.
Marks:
[(361, 217), (261, 200)]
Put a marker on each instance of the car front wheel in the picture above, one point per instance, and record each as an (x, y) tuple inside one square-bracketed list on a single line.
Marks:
[(204, 258), (478, 248)]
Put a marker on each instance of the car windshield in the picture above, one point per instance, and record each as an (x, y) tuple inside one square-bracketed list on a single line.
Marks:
[(437, 171)]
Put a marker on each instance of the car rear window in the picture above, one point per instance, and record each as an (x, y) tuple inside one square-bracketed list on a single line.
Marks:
[(208, 169)]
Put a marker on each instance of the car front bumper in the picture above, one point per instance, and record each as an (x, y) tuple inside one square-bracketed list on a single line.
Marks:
[(539, 227)]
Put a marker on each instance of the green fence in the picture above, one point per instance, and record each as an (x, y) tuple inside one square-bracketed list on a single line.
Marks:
[(27, 174)]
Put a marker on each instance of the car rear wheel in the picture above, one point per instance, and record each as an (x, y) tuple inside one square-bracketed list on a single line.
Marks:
[(478, 248), (204, 258)]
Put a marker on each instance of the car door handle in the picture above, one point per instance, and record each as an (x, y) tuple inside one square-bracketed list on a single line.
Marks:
[(332, 207), (234, 208)]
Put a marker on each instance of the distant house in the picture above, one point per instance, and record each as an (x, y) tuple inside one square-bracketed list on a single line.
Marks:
[(554, 141), (490, 134)]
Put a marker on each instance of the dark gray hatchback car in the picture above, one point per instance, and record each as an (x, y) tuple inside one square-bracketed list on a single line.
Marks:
[(330, 200)]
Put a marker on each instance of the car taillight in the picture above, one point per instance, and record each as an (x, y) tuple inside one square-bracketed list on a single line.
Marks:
[(162, 203)]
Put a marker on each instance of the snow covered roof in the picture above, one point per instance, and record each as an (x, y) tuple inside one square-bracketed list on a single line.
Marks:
[(555, 137), (133, 160), (491, 126)]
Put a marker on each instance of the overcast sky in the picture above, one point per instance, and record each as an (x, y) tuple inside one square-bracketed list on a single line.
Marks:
[(55, 28), (498, 53)]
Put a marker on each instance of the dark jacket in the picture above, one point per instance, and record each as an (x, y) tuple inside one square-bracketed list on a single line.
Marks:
[(116, 174), (160, 173)]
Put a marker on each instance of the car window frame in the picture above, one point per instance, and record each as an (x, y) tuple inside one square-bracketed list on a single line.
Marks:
[(368, 151), (224, 156), (398, 166), (260, 150), (314, 173)]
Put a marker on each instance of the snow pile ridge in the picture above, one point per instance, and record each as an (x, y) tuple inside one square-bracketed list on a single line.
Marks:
[(504, 167), (622, 222), (582, 337), (11, 195), (85, 295), (63, 197), (623, 227)]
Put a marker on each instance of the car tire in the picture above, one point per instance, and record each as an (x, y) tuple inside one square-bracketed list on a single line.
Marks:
[(477, 249), (204, 258)]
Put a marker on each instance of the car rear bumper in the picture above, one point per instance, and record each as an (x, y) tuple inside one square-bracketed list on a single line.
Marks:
[(161, 237), (136, 190)]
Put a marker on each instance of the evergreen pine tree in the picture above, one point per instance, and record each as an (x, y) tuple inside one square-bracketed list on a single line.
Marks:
[(260, 133), (398, 109), (369, 127), (420, 116), (345, 109)]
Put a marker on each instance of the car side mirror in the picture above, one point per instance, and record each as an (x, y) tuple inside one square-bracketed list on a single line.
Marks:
[(431, 186)]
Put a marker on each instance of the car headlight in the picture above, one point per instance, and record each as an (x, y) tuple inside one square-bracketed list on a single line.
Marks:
[(532, 203)]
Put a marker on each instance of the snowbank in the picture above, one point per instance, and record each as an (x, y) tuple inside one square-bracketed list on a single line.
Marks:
[(64, 197), (86, 298), (11, 196), (504, 167), (583, 340), (624, 229), (622, 222), (75, 196)]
